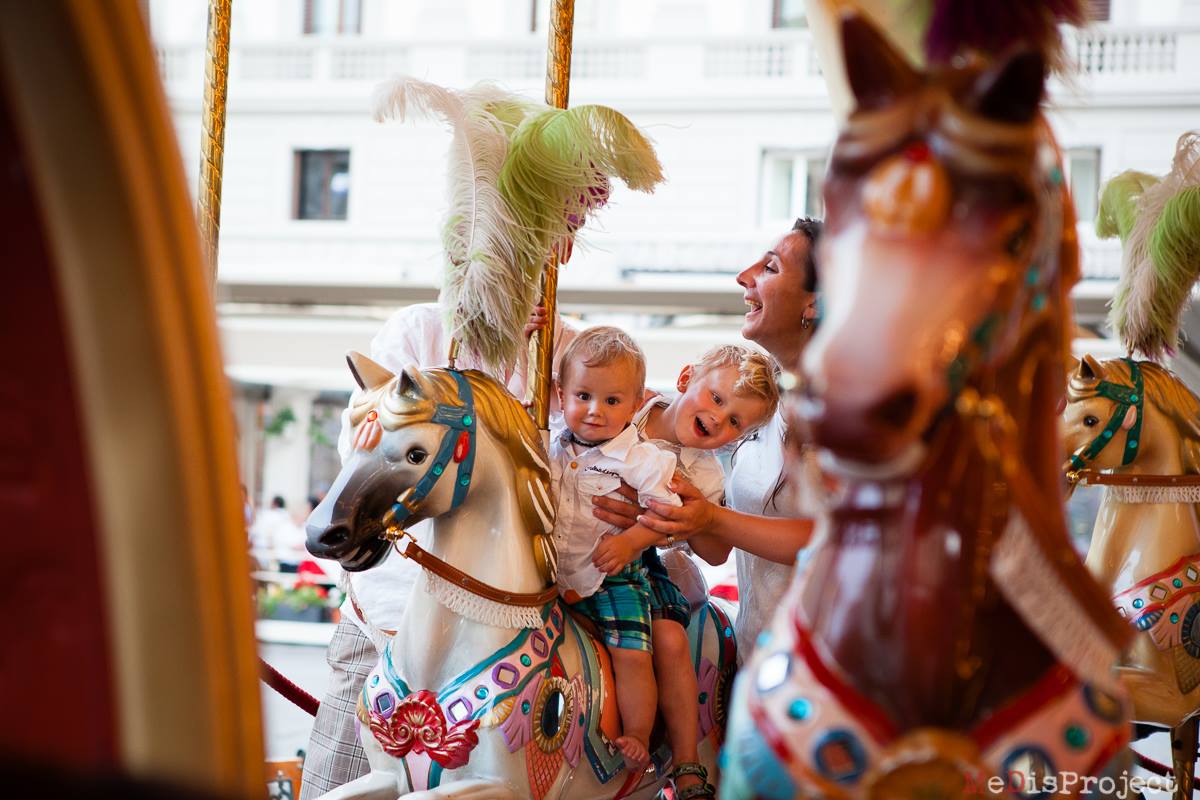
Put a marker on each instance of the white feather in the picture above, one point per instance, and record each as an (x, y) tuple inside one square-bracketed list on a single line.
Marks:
[(485, 294)]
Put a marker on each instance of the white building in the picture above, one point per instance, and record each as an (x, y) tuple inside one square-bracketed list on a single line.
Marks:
[(330, 220)]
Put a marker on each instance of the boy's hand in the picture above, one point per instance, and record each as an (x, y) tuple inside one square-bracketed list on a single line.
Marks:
[(613, 553), (537, 321)]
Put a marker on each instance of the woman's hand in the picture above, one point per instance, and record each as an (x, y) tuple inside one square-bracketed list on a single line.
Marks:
[(696, 515), (621, 513)]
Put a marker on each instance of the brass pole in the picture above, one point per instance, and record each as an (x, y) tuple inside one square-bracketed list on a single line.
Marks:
[(558, 85), (212, 144)]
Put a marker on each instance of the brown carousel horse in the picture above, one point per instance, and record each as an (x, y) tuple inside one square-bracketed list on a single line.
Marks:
[(944, 638), (1134, 427)]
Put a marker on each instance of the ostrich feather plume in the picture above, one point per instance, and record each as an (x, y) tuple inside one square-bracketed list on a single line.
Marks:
[(559, 166), (487, 293), (1158, 222)]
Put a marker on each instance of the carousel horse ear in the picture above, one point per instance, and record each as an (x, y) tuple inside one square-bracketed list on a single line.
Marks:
[(1089, 370), (877, 72), (367, 373), (1012, 90), (414, 384), (1130, 420)]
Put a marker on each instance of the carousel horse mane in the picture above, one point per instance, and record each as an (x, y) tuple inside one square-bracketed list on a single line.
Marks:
[(408, 401), (1163, 390)]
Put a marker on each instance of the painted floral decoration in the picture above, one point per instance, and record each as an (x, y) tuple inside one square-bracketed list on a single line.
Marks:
[(418, 725)]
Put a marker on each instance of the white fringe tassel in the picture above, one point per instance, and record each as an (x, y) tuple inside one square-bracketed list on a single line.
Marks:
[(1032, 586), (1155, 494), (479, 609)]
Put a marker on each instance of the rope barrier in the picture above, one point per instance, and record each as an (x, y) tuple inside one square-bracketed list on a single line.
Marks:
[(290, 691)]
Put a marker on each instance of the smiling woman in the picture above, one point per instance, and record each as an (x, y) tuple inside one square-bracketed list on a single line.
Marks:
[(780, 289)]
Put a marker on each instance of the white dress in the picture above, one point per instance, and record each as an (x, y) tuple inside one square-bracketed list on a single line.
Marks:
[(757, 466)]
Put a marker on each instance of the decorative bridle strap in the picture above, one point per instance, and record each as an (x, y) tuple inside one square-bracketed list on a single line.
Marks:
[(1125, 397), (452, 574), (1091, 477), (458, 445)]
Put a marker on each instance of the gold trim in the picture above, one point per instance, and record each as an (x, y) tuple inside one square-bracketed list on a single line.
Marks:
[(558, 87), (212, 143), (88, 102)]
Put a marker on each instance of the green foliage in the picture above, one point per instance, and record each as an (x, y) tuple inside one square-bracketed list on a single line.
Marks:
[(279, 421)]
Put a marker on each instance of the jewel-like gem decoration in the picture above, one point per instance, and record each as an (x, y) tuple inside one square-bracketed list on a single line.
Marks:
[(1138, 603), (800, 709), (1076, 736), (1158, 592), (1178, 584)]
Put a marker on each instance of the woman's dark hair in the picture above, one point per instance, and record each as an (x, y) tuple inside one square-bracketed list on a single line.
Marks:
[(811, 228)]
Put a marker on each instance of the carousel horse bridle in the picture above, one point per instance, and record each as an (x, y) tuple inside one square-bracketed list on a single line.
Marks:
[(1125, 397), (457, 446)]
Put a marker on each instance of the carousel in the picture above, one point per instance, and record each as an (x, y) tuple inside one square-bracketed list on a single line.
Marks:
[(941, 638)]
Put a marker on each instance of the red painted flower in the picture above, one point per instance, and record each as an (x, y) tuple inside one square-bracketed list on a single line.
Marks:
[(418, 725)]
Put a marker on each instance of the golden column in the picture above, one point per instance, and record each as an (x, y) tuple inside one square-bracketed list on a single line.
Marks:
[(212, 144), (558, 85)]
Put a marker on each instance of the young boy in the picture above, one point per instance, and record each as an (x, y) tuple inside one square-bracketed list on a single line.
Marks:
[(724, 396), (600, 387)]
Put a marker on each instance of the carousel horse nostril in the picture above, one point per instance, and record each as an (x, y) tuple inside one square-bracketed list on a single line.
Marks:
[(897, 410), (334, 536)]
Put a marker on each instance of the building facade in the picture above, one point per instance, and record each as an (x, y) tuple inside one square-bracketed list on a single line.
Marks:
[(331, 220)]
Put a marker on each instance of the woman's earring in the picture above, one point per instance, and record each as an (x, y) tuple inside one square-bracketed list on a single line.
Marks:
[(805, 323)]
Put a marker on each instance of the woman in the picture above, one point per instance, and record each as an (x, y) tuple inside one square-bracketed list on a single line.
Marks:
[(780, 290)]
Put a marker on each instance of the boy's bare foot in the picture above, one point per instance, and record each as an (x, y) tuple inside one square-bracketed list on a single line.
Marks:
[(635, 752)]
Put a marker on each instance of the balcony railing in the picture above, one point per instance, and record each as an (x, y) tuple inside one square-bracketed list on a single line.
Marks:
[(1108, 60)]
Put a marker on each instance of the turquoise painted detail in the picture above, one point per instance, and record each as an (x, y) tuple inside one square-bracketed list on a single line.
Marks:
[(1139, 603), (467, 420), (1076, 737), (703, 698), (525, 707), (800, 709), (1178, 584), (1056, 176), (464, 480), (1038, 302), (438, 469), (526, 660), (1174, 618), (481, 692)]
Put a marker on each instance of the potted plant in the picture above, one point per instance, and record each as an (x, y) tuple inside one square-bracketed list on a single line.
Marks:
[(305, 601)]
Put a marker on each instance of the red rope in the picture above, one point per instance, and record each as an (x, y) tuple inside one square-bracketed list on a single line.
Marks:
[(290, 691)]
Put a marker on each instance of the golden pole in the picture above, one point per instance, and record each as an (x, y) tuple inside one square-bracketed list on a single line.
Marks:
[(558, 85), (212, 144)]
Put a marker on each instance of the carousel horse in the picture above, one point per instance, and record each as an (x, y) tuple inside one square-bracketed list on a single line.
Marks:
[(1134, 427), (942, 639), (488, 677)]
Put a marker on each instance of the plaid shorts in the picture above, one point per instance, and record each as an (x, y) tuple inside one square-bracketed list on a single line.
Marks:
[(621, 609), (666, 600)]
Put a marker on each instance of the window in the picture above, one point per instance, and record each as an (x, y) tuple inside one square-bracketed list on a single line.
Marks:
[(322, 184), (331, 17), (791, 187), (1083, 176), (788, 14)]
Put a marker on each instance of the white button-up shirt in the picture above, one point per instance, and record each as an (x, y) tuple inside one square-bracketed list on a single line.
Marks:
[(599, 470)]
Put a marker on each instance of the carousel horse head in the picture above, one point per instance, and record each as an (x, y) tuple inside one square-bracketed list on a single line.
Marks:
[(944, 222), (425, 443), (1121, 411)]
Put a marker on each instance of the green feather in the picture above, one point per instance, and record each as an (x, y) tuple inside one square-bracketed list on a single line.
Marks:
[(1118, 203), (558, 168)]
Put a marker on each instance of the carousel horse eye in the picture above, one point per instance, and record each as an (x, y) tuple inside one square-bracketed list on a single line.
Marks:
[(416, 455), (1091, 421), (1015, 244)]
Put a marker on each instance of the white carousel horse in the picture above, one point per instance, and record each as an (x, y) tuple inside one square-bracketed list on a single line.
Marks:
[(489, 689), (1135, 428)]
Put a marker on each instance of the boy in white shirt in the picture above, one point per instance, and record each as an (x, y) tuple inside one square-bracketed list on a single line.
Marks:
[(727, 394), (600, 387)]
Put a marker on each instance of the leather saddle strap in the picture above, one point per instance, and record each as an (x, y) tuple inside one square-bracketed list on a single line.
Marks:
[(454, 575), (1094, 478)]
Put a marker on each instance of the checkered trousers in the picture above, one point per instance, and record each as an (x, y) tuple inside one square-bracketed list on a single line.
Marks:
[(334, 756)]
